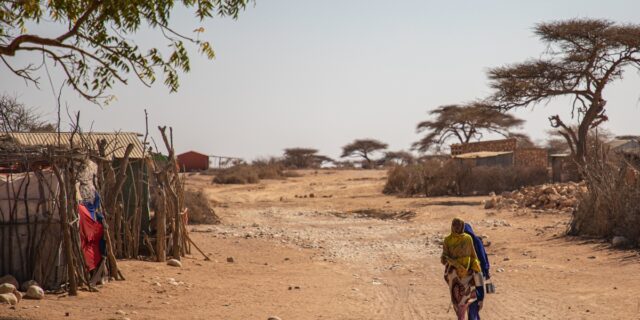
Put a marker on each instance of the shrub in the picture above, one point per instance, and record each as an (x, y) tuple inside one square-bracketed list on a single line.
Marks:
[(200, 210), (611, 205), (438, 178), (271, 168), (240, 174)]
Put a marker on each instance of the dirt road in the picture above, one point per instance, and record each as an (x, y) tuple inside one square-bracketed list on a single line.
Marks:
[(300, 253)]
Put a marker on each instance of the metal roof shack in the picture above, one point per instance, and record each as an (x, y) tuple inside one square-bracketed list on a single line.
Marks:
[(487, 158), (631, 146), (117, 142)]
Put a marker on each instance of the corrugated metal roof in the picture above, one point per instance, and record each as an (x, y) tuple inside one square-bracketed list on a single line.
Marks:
[(481, 154), (617, 143), (117, 142)]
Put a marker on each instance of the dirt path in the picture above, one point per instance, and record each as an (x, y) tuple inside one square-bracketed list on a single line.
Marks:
[(308, 257)]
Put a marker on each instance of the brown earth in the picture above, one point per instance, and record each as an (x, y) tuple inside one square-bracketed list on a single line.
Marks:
[(313, 258)]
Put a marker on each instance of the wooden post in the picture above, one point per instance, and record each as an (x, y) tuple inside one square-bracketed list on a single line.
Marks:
[(66, 234), (161, 228)]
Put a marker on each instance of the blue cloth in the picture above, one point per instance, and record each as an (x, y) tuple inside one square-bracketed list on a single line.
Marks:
[(474, 308), (92, 207), (482, 255), (474, 311)]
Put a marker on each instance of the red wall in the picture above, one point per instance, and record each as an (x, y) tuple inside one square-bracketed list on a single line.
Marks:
[(193, 161)]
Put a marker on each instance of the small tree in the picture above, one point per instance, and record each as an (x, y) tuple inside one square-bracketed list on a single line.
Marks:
[(94, 48), (400, 157), (16, 117), (583, 57), (463, 123), (363, 148), (301, 158)]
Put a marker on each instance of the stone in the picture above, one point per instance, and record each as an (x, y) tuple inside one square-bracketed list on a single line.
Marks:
[(619, 241), (121, 312), (35, 292), (8, 298), (9, 279), (274, 318), (490, 204), (230, 260), (174, 263), (25, 285), (7, 288)]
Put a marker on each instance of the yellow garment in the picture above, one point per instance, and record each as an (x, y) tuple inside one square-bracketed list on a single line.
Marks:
[(459, 252)]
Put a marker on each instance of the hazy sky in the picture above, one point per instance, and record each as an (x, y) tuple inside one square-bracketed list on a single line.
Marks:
[(321, 73)]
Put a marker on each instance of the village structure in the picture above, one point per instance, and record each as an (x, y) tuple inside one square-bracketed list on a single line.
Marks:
[(318, 160)]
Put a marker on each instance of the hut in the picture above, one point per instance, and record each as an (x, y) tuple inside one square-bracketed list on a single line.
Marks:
[(45, 180), (112, 146), (193, 161)]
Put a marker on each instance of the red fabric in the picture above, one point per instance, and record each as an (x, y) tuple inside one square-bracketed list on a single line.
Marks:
[(91, 232)]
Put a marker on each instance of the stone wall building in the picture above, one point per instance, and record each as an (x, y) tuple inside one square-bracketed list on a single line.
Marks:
[(495, 152)]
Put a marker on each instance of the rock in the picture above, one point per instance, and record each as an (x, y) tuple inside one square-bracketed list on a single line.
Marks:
[(7, 288), (9, 279), (619, 241), (274, 318), (8, 298), (499, 270), (174, 263), (230, 260), (490, 204), (121, 313), (25, 285), (35, 292)]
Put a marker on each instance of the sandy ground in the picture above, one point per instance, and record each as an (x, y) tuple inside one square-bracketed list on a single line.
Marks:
[(308, 258)]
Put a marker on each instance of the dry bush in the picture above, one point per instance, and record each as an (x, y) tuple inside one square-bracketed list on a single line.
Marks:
[(439, 178), (484, 180), (271, 168), (611, 205), (240, 174), (200, 210)]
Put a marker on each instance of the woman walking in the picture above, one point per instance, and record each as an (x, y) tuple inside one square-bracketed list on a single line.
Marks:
[(461, 264)]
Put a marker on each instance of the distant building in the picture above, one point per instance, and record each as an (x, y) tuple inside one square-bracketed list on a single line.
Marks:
[(625, 144), (503, 152), (193, 161)]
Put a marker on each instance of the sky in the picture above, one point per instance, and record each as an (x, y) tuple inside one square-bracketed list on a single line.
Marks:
[(302, 73)]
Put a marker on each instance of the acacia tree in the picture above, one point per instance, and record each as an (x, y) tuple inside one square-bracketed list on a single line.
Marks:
[(301, 158), (363, 148), (94, 48), (463, 123), (583, 57), (401, 157), (16, 117)]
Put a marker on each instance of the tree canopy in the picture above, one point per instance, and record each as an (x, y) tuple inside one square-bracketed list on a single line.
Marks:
[(301, 158), (363, 148), (463, 123), (16, 117), (400, 157), (95, 47), (583, 57)]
